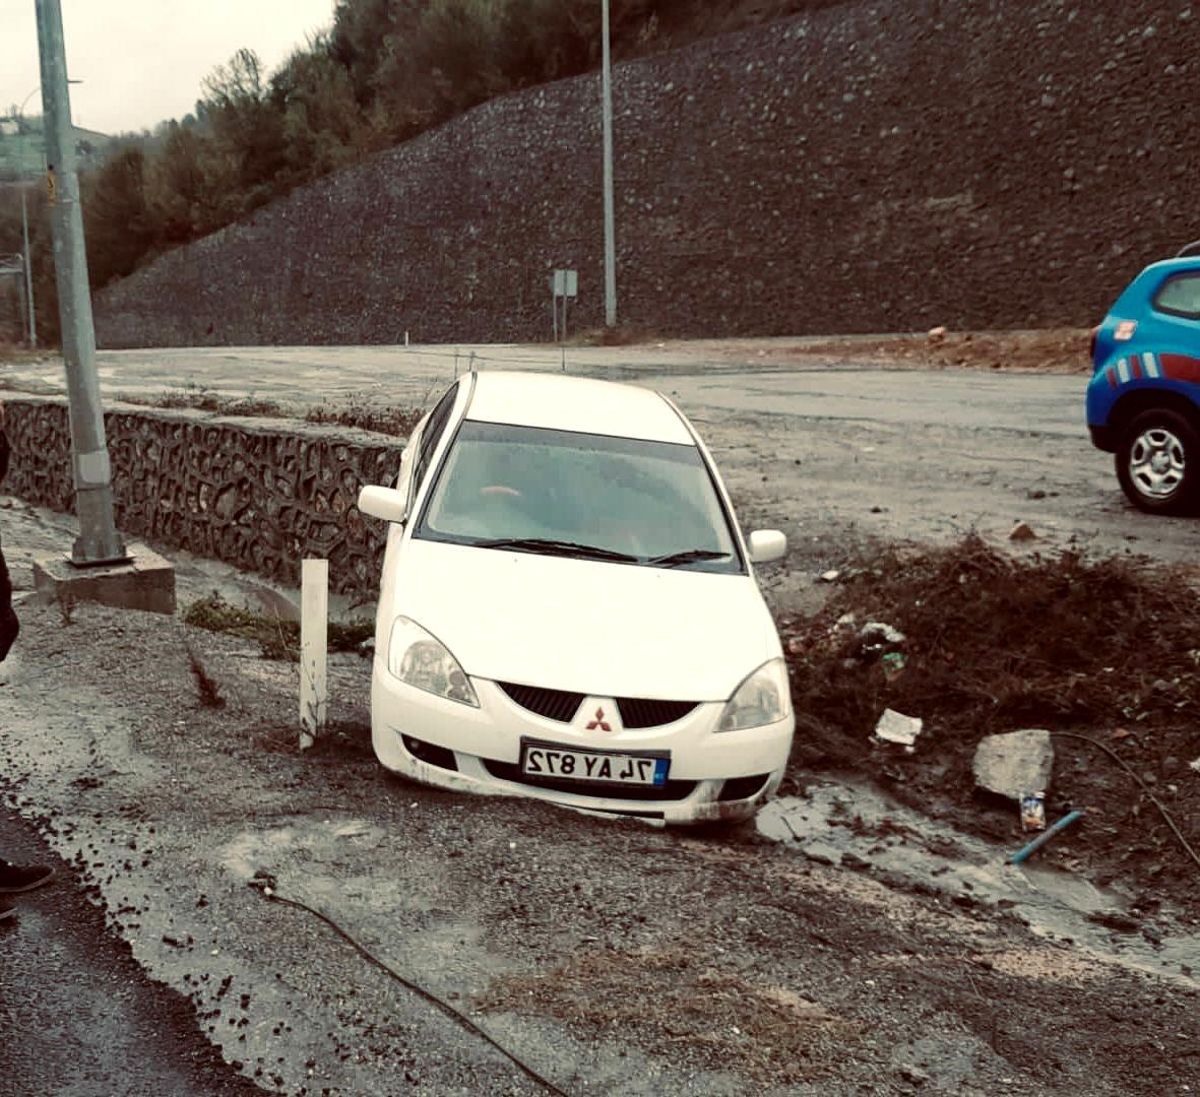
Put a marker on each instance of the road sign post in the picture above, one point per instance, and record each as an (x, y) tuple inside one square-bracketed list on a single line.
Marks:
[(563, 284)]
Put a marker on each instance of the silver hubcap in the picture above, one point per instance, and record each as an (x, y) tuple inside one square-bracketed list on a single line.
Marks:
[(1156, 463)]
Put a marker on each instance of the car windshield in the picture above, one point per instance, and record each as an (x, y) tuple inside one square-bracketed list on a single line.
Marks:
[(586, 495)]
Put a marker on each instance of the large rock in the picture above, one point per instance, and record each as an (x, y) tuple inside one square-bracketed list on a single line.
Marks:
[(1016, 763)]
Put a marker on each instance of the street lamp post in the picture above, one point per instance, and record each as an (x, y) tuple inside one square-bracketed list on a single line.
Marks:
[(98, 541), (610, 244), (28, 274), (30, 310), (25, 232)]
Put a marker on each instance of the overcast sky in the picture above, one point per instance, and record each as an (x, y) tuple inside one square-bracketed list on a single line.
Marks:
[(142, 61)]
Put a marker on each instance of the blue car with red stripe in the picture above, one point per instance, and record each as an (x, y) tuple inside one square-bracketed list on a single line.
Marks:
[(1143, 401)]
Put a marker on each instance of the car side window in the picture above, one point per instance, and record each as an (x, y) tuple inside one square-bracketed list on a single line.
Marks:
[(432, 434), (1179, 295)]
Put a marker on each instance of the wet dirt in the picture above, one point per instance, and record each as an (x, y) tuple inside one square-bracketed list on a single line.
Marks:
[(613, 957)]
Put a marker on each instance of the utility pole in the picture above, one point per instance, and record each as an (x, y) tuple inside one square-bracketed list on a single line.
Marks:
[(610, 244), (98, 541), (28, 273)]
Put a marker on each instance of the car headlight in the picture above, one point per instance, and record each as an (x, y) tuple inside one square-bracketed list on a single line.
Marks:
[(763, 698), (419, 660)]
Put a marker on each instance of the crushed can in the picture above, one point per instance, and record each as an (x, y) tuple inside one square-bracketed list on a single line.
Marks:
[(893, 663), (1033, 811)]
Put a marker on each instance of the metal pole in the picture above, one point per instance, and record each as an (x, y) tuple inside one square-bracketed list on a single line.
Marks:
[(98, 541), (28, 274), (610, 244)]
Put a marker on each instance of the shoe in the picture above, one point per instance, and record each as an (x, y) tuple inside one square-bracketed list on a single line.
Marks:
[(15, 878), (7, 911)]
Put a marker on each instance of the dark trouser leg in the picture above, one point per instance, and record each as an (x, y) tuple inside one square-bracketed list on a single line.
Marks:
[(9, 626)]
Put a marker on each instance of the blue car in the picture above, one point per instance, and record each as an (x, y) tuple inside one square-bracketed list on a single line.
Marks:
[(1143, 401)]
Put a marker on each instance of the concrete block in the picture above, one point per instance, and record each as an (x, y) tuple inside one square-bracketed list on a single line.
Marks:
[(1015, 763), (146, 582)]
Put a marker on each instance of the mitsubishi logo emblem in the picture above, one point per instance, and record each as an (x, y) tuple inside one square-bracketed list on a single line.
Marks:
[(599, 722)]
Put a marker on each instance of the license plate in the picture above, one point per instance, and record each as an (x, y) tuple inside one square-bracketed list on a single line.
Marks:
[(609, 766)]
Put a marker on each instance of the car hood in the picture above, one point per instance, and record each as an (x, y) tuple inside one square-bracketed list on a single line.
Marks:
[(601, 629)]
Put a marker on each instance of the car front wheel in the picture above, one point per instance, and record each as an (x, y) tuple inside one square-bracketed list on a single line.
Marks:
[(1158, 463)]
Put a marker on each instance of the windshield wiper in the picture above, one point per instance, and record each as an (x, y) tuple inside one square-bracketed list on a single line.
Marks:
[(557, 548), (688, 556)]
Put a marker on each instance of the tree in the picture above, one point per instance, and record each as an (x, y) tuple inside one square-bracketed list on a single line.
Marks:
[(117, 223)]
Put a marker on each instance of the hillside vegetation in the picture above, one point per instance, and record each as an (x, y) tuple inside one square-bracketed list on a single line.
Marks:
[(384, 71)]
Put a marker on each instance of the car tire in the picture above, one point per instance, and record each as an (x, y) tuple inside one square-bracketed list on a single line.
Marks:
[(1158, 462)]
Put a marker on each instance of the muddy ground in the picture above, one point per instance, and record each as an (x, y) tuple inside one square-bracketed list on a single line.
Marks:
[(848, 945), (612, 957)]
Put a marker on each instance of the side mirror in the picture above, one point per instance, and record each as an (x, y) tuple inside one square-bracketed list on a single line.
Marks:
[(767, 546), (385, 503)]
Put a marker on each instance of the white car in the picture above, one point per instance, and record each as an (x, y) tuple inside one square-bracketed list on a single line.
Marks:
[(567, 609)]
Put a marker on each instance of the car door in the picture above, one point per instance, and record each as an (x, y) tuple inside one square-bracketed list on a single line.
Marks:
[(416, 460)]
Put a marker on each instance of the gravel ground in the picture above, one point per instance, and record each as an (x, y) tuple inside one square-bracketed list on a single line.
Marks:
[(611, 957)]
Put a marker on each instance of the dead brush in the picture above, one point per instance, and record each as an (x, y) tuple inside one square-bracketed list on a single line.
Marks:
[(996, 643), (276, 638), (367, 416), (207, 689)]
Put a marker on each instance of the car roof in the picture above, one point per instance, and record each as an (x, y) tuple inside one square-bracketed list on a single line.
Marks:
[(582, 404), (1178, 262)]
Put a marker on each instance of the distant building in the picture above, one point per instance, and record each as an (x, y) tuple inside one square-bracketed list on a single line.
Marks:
[(21, 148)]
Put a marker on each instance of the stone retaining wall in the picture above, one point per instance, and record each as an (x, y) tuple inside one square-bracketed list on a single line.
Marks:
[(881, 165), (261, 494)]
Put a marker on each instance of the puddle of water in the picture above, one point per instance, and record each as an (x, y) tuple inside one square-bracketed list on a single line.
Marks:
[(858, 826)]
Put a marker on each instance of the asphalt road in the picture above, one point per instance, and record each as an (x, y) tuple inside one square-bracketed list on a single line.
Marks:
[(78, 1016), (835, 455), (832, 454), (704, 374)]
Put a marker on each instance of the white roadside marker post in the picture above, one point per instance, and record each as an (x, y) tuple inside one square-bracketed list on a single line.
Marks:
[(314, 629)]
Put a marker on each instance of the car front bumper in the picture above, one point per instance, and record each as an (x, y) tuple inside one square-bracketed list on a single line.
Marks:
[(1103, 437), (713, 776)]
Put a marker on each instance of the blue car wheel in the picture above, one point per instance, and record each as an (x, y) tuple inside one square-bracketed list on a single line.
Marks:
[(1158, 462)]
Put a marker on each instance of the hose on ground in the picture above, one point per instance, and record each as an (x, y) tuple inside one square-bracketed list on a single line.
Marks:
[(1145, 788), (266, 888)]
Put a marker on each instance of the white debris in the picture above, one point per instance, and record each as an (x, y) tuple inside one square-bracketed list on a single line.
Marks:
[(830, 576), (1195, 765), (1015, 763), (876, 631), (355, 829), (895, 727)]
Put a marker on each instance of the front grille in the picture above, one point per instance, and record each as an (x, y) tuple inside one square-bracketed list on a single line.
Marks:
[(672, 790), (637, 712), (554, 704)]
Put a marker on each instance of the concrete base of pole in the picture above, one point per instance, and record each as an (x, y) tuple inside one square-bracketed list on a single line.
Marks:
[(146, 582)]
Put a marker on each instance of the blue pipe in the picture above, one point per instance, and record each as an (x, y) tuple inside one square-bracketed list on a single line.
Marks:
[(1025, 853)]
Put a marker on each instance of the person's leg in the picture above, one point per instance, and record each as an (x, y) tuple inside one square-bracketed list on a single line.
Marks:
[(9, 625)]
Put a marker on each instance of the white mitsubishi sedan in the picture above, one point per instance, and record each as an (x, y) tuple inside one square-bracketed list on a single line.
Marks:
[(568, 611)]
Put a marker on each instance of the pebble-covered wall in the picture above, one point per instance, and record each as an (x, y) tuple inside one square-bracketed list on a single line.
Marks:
[(882, 165), (261, 494)]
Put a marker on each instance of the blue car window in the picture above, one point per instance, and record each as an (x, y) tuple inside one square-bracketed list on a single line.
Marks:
[(1180, 296)]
